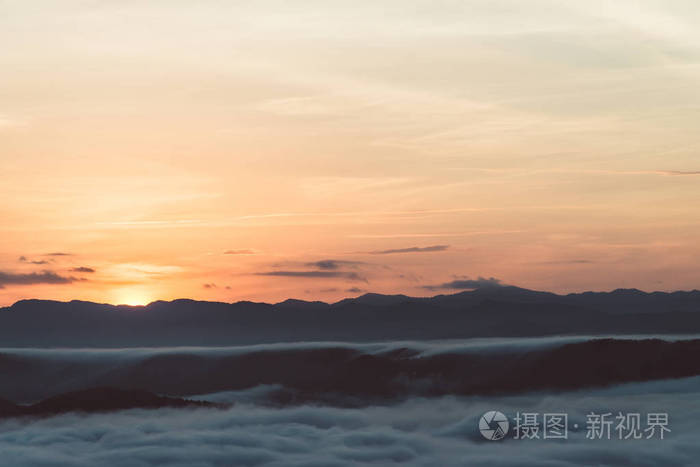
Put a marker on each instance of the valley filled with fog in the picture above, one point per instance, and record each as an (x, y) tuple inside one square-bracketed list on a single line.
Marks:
[(342, 404)]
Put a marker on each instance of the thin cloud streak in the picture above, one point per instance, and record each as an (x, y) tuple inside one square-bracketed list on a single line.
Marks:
[(429, 235), (353, 276), (557, 170), (240, 252), (415, 249), (246, 220), (333, 264), (23, 259)]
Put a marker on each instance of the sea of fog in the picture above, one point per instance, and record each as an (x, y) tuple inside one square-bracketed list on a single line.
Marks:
[(424, 347), (416, 432)]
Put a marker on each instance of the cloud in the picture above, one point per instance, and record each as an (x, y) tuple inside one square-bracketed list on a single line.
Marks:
[(7, 122), (467, 284), (83, 269), (682, 172), (568, 261), (415, 249), (353, 276), (23, 259), (44, 277), (58, 253), (410, 277), (354, 290), (240, 252), (416, 432), (333, 264), (210, 285)]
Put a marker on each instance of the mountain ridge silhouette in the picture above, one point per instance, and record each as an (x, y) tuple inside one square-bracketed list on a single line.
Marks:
[(487, 312)]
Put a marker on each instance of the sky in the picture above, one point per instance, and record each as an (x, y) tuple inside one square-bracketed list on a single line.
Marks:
[(230, 150)]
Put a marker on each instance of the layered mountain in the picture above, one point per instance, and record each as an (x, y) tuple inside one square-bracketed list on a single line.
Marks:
[(103, 399), (486, 312)]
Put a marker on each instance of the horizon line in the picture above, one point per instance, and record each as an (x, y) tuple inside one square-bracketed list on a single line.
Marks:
[(492, 287)]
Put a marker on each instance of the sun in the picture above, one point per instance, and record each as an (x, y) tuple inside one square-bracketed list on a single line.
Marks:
[(132, 296)]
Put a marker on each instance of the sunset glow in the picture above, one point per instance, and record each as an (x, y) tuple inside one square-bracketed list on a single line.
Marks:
[(265, 150), (132, 296)]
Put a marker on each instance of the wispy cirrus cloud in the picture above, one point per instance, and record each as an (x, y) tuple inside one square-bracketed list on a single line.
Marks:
[(241, 252), (8, 122), (681, 172)]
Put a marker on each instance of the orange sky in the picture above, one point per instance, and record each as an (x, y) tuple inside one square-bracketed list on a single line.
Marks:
[(550, 145)]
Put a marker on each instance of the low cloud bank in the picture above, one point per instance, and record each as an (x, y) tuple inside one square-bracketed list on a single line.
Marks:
[(417, 432), (347, 374)]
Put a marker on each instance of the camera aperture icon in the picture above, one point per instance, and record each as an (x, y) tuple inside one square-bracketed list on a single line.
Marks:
[(493, 425)]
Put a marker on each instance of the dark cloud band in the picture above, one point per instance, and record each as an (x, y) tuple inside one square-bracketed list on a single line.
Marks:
[(333, 264), (44, 277), (415, 249), (353, 276), (83, 269), (466, 284)]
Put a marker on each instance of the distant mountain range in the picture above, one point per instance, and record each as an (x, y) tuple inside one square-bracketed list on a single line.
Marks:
[(486, 312)]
